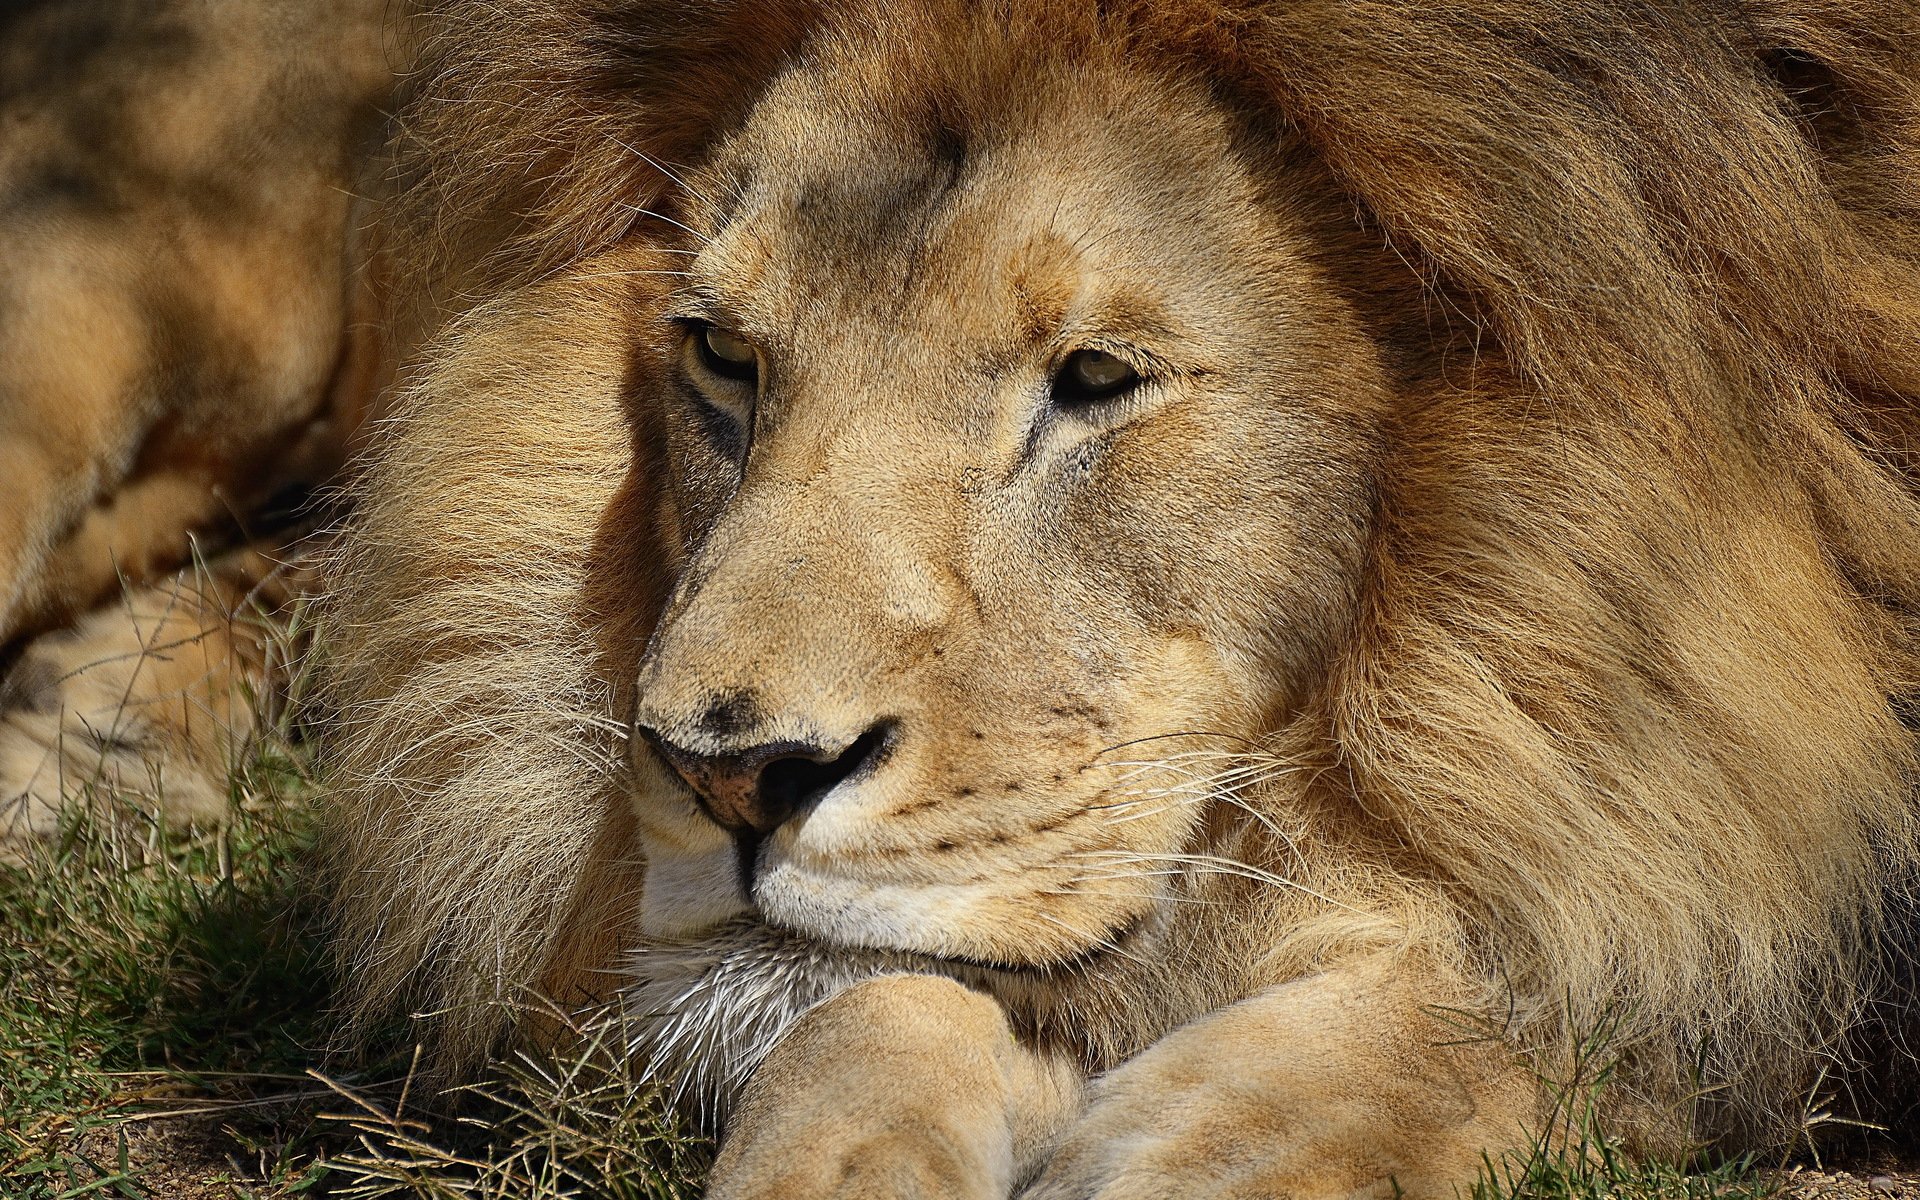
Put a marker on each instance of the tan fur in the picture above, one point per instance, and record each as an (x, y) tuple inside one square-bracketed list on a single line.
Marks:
[(148, 703), (863, 1064), (1497, 607), (187, 341), (177, 328)]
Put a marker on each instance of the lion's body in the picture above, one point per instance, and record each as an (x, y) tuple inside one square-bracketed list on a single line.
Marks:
[(177, 185), (1499, 600), (184, 345)]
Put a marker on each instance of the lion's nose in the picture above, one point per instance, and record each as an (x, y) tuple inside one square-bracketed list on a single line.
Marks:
[(761, 788)]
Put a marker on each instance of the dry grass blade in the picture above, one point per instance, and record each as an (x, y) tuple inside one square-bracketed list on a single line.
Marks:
[(581, 1126)]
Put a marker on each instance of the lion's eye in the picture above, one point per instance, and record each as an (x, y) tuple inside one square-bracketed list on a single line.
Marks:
[(1090, 375), (726, 353)]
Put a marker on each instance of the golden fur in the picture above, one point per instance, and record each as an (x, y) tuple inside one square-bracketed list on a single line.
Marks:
[(1498, 608), (184, 348), (176, 186), (1597, 638)]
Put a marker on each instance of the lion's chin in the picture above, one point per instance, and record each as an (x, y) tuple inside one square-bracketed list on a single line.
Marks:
[(841, 909), (702, 1013), (695, 898), (691, 896)]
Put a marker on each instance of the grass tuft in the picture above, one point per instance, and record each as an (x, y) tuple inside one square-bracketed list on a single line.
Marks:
[(540, 1130), (1575, 1156), (164, 1005)]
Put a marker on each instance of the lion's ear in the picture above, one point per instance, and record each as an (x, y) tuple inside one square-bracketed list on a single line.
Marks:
[(534, 133)]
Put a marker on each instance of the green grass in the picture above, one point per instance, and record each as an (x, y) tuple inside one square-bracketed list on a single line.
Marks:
[(1598, 1169), (141, 968), (164, 1029), (1574, 1156)]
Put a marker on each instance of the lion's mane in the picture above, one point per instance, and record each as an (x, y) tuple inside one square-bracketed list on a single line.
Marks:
[(1632, 689)]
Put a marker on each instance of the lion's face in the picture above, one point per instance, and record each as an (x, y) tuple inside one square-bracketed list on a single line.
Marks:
[(1000, 452)]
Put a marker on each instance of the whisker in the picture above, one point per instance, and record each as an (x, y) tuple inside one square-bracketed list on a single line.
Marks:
[(1102, 942), (661, 167), (1161, 737), (647, 212), (1079, 891), (1218, 864), (1142, 815), (619, 274), (1137, 798)]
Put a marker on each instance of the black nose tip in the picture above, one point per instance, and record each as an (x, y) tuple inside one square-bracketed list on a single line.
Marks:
[(761, 788)]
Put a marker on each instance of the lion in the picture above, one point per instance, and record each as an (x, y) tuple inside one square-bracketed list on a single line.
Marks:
[(185, 350), (1136, 600)]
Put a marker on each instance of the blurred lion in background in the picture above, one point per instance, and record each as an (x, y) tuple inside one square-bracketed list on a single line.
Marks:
[(1128, 600), (186, 349)]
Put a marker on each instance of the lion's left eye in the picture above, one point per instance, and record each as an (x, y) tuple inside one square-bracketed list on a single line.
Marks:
[(1090, 375), (726, 353)]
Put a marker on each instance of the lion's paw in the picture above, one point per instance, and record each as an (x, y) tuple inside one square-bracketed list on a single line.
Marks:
[(845, 1165), (902, 1087), (121, 714), (1153, 1135), (1335, 1085)]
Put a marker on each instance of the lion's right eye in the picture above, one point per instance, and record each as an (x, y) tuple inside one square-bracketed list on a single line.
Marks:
[(726, 353), (1089, 376)]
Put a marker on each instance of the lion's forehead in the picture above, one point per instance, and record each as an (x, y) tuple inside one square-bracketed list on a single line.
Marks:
[(997, 226)]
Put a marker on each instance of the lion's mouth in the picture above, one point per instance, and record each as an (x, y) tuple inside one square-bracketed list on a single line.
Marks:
[(747, 846), (1115, 940), (1014, 919)]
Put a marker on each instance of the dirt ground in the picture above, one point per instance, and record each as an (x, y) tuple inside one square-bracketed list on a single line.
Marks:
[(197, 1157), (1887, 1181), (200, 1157)]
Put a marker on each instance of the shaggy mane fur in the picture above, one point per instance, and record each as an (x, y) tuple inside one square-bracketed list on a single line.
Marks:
[(1630, 701)]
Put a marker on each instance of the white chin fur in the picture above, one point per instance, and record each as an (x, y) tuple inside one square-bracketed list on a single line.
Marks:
[(686, 894), (927, 918), (713, 988), (702, 1014)]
